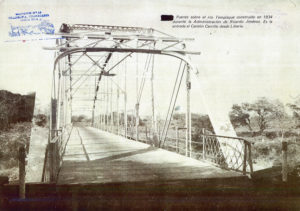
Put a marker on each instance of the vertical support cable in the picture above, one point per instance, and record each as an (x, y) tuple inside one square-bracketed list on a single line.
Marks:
[(188, 115), (172, 104)]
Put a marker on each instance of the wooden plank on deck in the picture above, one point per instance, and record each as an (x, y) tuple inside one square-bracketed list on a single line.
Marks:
[(94, 156)]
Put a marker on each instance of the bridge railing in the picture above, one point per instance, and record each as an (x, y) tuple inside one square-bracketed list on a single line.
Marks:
[(53, 155), (212, 151), (204, 147), (207, 147)]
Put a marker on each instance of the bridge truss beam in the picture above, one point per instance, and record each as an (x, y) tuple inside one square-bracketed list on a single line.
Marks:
[(96, 45)]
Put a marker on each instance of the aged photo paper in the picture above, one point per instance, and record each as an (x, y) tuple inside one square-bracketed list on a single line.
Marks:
[(149, 104)]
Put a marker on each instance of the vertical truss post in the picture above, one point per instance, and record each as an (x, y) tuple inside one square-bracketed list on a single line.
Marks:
[(203, 144), (22, 172), (101, 106), (133, 120), (188, 115), (65, 102), (125, 102), (250, 158), (51, 161), (177, 139), (137, 105), (100, 115), (284, 161), (111, 108), (70, 88), (53, 117), (93, 117), (58, 98), (106, 104), (154, 122), (62, 94), (118, 116), (137, 119), (93, 111), (245, 159), (95, 105), (69, 97)]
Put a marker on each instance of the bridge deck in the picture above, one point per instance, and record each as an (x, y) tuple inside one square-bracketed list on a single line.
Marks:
[(94, 156)]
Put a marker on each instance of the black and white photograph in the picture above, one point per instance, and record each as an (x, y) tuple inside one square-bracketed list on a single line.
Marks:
[(149, 105)]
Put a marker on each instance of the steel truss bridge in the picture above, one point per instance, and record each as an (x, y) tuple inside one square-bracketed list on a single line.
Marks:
[(92, 66)]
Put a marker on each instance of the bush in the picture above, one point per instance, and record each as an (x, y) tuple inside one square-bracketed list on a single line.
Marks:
[(271, 135), (41, 120), (245, 134), (290, 134), (15, 108)]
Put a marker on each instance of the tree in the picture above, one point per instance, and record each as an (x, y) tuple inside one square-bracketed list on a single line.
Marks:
[(280, 116), (266, 110), (239, 115), (263, 109), (200, 121), (295, 107), (41, 120)]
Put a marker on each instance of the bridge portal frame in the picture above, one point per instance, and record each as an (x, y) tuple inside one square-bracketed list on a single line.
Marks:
[(62, 91), (61, 96)]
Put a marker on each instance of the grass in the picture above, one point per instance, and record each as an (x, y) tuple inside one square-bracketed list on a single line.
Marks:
[(267, 148), (10, 141)]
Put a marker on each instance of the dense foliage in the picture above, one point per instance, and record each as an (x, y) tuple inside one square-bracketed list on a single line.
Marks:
[(15, 108)]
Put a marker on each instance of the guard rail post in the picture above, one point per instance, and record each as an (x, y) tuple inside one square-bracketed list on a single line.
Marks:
[(284, 161), (22, 156), (245, 158), (203, 144)]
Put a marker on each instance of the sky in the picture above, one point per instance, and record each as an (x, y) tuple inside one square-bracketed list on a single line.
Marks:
[(235, 65)]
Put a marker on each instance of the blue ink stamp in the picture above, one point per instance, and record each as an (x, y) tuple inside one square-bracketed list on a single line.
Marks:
[(31, 25), (44, 27)]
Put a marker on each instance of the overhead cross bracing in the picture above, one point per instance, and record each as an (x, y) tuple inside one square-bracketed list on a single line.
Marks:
[(77, 38), (92, 66)]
